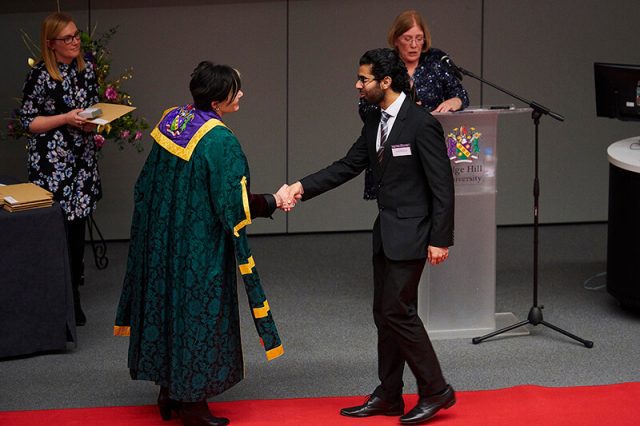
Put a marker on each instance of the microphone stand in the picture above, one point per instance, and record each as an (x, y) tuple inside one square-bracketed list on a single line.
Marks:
[(535, 313)]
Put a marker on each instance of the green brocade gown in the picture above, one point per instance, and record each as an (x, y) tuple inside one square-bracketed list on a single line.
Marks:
[(179, 301)]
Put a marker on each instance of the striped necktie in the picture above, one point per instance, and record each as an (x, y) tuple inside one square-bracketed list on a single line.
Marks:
[(384, 132)]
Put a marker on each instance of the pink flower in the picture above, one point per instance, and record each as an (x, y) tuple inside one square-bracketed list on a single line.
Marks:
[(99, 140), (110, 93), (124, 134), (137, 136)]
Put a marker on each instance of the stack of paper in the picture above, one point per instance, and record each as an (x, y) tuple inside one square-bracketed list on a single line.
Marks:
[(24, 196)]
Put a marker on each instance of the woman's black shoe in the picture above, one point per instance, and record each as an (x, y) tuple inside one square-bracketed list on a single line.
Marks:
[(198, 414), (81, 319), (166, 404)]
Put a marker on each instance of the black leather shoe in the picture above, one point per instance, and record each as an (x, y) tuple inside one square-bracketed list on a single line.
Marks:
[(198, 414), (166, 404), (428, 407), (375, 406)]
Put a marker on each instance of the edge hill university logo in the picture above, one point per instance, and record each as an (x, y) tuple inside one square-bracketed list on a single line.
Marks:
[(463, 146), (463, 149)]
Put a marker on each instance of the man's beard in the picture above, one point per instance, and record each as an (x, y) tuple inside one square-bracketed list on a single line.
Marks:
[(374, 97)]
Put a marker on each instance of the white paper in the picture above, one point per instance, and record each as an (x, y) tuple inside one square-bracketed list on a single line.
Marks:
[(401, 150)]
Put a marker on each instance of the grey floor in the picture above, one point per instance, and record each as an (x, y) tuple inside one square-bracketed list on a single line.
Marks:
[(319, 289)]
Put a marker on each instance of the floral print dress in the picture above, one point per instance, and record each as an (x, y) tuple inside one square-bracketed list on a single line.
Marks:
[(63, 160)]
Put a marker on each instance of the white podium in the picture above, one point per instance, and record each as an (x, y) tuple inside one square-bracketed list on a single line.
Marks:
[(457, 298)]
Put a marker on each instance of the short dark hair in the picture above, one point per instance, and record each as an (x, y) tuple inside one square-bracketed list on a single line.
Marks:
[(211, 82), (386, 62)]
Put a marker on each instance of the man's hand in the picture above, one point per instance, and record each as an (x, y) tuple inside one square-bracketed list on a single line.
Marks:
[(294, 193), (437, 255)]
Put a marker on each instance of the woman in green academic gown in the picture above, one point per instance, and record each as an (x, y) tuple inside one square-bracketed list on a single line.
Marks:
[(192, 205)]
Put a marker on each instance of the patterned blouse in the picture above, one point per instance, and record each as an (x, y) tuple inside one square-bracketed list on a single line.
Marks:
[(433, 84), (62, 160)]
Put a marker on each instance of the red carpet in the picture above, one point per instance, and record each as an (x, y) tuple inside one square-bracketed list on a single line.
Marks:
[(521, 406)]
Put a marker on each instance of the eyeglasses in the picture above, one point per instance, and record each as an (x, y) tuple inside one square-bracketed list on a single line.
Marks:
[(364, 80), (409, 40), (70, 38)]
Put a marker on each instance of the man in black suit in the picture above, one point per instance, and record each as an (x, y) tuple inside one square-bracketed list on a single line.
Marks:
[(405, 147)]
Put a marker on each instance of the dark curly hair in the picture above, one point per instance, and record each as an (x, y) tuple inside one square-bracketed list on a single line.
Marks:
[(386, 62)]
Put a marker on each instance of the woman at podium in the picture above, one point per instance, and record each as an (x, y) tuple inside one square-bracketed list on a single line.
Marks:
[(433, 85)]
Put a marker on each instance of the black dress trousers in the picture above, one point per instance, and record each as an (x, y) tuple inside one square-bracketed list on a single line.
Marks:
[(401, 334)]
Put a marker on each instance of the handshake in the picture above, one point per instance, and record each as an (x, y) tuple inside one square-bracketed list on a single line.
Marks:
[(288, 195)]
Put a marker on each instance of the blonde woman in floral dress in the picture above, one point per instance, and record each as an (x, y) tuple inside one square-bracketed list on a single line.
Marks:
[(61, 148)]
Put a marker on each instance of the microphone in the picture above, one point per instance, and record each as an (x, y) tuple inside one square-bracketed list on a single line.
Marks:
[(452, 67)]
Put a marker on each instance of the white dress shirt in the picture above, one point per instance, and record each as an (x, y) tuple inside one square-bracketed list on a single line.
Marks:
[(392, 110)]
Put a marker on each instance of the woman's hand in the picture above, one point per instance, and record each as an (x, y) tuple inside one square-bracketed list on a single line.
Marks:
[(453, 104), (73, 119), (42, 124)]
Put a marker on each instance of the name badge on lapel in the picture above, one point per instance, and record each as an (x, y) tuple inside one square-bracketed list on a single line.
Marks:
[(401, 150)]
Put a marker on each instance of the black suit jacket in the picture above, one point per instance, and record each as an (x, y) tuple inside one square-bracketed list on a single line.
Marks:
[(416, 194)]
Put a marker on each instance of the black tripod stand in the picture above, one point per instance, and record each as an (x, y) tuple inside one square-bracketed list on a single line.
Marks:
[(535, 313)]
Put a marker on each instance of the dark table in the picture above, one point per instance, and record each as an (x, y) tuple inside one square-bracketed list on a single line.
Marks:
[(623, 238), (36, 299)]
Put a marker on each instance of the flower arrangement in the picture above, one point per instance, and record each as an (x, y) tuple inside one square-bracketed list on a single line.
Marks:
[(127, 130), (124, 131)]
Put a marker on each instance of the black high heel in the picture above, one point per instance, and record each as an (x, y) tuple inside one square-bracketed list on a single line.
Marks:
[(166, 404), (81, 318), (198, 414)]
